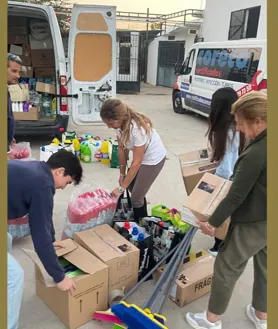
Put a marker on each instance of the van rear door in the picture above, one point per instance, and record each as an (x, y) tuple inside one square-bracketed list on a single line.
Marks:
[(92, 61)]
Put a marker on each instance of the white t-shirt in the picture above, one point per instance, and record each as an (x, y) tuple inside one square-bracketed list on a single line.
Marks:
[(155, 150)]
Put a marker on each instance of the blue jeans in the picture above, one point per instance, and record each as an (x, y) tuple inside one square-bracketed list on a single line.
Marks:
[(15, 288)]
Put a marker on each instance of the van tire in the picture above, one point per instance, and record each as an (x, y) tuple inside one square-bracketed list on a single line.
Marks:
[(177, 103)]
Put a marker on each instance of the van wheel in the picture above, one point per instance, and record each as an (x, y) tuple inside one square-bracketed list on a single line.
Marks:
[(177, 103)]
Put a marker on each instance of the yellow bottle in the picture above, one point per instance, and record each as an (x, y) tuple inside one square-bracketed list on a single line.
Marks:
[(104, 152), (54, 107), (76, 146)]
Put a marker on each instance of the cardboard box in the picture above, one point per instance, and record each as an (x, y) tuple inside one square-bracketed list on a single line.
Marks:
[(17, 39), (40, 44), (32, 115), (91, 289), (19, 92), (193, 166), (26, 55), (16, 50), (17, 25), (120, 255), (194, 278), (45, 88), (18, 30), (45, 72), (206, 197), (43, 58), (27, 72)]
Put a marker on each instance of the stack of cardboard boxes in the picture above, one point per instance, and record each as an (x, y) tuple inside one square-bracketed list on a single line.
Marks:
[(38, 70), (108, 262)]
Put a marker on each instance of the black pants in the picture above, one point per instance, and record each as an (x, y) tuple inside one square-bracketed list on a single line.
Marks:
[(217, 244)]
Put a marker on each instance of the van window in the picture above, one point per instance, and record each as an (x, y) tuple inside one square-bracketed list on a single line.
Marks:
[(233, 64), (189, 62)]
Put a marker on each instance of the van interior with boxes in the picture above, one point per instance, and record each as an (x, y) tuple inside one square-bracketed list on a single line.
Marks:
[(30, 37)]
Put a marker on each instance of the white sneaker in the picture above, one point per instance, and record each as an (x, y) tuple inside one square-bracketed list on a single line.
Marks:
[(200, 321), (259, 324), (213, 252)]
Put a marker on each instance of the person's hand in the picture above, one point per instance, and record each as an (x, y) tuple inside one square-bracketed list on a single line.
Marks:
[(67, 284), (58, 244), (116, 193), (121, 179), (206, 228)]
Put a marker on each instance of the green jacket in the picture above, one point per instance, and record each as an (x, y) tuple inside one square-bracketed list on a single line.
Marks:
[(246, 199)]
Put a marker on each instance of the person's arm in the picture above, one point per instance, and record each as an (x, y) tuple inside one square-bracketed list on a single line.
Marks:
[(246, 175), (41, 227), (138, 155), (122, 159)]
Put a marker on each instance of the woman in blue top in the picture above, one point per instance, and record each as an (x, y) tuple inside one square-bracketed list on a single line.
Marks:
[(223, 137)]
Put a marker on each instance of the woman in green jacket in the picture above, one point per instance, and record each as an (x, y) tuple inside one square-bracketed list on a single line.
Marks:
[(247, 237)]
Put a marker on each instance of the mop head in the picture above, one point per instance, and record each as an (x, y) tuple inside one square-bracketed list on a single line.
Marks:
[(107, 316), (136, 318)]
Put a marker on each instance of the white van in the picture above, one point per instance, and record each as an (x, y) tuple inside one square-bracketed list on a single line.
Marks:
[(83, 79), (209, 66)]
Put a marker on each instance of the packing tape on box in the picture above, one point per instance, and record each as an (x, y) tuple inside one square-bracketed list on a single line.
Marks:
[(115, 297)]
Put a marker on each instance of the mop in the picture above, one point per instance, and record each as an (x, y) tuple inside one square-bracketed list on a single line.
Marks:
[(149, 316)]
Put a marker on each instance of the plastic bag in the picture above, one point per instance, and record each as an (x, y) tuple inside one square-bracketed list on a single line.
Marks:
[(21, 151), (89, 209), (19, 228)]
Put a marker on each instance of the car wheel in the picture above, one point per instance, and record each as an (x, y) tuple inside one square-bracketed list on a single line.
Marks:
[(177, 103)]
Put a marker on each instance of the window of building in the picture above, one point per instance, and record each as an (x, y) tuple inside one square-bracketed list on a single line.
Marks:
[(244, 23)]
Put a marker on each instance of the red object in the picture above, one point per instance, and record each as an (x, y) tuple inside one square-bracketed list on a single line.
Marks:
[(127, 225), (262, 85), (176, 86), (20, 151), (63, 91)]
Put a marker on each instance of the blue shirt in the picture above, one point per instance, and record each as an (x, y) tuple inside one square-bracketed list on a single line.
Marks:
[(31, 190), (227, 164)]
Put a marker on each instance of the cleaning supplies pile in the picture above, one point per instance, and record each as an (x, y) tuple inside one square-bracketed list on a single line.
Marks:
[(89, 209)]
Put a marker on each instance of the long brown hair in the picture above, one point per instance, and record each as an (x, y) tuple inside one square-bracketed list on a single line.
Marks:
[(221, 121), (115, 110)]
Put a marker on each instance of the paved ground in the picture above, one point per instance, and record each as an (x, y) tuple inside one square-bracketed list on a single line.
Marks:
[(180, 133)]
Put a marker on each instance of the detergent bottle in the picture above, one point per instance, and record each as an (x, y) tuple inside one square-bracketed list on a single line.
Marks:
[(104, 152), (76, 146), (87, 154)]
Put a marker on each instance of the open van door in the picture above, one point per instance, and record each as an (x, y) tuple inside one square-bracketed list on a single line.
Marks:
[(92, 61)]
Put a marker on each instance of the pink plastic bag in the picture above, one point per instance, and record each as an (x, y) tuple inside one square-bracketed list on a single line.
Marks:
[(89, 209), (21, 151)]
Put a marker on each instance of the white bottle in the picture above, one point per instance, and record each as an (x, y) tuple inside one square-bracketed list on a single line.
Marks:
[(20, 104), (13, 106)]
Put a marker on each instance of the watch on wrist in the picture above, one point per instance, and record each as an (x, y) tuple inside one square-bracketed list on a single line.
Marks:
[(121, 190)]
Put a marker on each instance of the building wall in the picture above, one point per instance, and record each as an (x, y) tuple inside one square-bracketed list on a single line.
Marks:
[(217, 18), (152, 62), (181, 35)]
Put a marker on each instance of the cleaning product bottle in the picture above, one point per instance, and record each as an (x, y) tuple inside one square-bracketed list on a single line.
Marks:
[(76, 146), (135, 233), (82, 147), (104, 152), (54, 112), (87, 154)]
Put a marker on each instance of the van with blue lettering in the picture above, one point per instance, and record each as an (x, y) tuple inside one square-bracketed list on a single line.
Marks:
[(241, 65)]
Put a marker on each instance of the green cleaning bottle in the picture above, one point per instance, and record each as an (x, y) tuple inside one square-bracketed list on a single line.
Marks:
[(87, 154)]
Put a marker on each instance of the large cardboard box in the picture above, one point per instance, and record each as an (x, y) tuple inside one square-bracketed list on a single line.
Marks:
[(120, 255), (193, 166), (26, 72), (194, 278), (19, 92), (91, 288), (32, 115), (17, 39), (44, 72), (45, 88), (206, 197), (43, 58)]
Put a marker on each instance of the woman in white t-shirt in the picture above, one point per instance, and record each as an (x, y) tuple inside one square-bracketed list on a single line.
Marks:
[(135, 133)]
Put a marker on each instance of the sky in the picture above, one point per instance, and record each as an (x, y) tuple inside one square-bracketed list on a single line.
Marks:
[(155, 6)]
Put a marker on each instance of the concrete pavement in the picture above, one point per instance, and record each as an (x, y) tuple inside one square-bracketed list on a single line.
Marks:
[(180, 133)]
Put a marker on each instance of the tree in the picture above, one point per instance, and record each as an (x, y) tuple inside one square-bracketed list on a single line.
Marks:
[(61, 7)]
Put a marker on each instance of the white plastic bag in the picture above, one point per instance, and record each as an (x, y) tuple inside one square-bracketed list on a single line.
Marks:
[(21, 151)]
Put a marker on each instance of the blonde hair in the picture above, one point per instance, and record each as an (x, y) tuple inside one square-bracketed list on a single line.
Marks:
[(251, 106), (115, 110)]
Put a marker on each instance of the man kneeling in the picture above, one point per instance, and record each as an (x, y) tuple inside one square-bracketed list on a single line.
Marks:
[(31, 189)]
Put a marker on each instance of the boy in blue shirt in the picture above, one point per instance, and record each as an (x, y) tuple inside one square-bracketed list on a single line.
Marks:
[(31, 189)]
